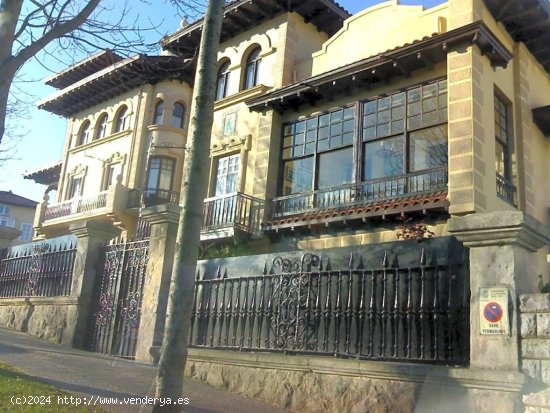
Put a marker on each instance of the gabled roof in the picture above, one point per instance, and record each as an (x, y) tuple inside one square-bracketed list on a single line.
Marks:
[(116, 79), (527, 21), (83, 69), (242, 15), (400, 61), (9, 198)]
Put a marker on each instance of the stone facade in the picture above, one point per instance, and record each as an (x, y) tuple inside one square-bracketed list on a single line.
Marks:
[(535, 350)]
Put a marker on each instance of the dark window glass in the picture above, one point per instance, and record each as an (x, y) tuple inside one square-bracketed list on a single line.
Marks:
[(252, 70), (159, 110), (161, 173), (428, 148), (298, 176), (101, 126), (222, 81), (121, 119), (178, 115), (84, 134), (384, 158), (502, 138), (335, 168)]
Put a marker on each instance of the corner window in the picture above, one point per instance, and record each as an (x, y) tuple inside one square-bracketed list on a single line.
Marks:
[(159, 110), (84, 133), (101, 126), (160, 179), (503, 150), (222, 81), (252, 69), (122, 121), (178, 115)]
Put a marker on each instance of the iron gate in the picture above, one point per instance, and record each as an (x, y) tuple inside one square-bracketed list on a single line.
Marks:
[(117, 311)]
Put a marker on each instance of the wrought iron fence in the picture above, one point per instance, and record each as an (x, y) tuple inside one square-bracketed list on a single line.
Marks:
[(373, 190), (418, 313), (76, 206), (234, 210), (44, 271)]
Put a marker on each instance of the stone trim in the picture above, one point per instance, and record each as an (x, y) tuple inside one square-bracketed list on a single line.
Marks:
[(34, 301), (507, 381), (500, 228), (160, 214)]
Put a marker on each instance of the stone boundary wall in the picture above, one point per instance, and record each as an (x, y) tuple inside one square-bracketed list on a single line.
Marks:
[(44, 317), (311, 384), (535, 350)]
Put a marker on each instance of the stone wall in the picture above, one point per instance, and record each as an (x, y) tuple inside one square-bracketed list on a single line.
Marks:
[(311, 384), (535, 350), (46, 318)]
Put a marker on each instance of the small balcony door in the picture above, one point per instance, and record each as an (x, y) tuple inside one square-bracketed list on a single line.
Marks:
[(226, 186)]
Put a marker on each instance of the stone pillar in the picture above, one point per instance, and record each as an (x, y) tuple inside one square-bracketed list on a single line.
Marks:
[(162, 242), (501, 244), (91, 238)]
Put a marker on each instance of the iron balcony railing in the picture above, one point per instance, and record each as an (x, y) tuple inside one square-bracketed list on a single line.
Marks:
[(235, 210), (366, 192), (155, 196), (506, 190), (77, 205), (391, 312)]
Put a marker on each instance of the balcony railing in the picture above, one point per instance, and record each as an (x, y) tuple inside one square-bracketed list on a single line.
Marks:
[(235, 210), (374, 190), (154, 196), (506, 190), (77, 205)]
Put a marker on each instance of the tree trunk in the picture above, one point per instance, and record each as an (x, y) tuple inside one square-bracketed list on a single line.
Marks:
[(174, 349)]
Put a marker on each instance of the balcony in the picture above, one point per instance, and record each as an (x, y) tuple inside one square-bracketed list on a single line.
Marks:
[(506, 190), (226, 215), (351, 200), (151, 197), (78, 205)]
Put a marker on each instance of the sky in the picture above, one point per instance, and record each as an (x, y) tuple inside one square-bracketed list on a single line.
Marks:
[(43, 134)]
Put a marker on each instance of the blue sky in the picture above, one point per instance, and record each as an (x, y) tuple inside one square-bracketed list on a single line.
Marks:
[(44, 133)]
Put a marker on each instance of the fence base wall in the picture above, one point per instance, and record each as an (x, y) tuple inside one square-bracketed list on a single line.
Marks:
[(321, 384), (47, 318)]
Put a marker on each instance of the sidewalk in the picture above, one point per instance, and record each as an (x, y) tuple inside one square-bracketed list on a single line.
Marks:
[(88, 374)]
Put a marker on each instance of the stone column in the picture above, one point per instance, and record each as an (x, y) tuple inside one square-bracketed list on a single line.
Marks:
[(162, 242), (501, 245), (91, 238)]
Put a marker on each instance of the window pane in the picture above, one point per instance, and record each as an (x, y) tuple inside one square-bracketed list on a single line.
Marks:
[(298, 176), (384, 158), (335, 168), (428, 148), (500, 159), (177, 115)]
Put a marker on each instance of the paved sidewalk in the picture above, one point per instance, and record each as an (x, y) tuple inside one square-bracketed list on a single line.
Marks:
[(88, 374)]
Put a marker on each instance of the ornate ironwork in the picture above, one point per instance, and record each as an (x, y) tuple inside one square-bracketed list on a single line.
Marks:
[(414, 313)]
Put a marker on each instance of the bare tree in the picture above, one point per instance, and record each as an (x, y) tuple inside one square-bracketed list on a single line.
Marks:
[(174, 349), (64, 29)]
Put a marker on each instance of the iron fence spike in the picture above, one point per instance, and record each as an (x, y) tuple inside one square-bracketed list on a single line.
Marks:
[(219, 273), (328, 267), (385, 262), (423, 257), (321, 263), (224, 274), (350, 264), (361, 265)]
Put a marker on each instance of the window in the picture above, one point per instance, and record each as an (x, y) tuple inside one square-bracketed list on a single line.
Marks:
[(4, 209), (84, 133), (178, 115), (160, 179), (26, 232), (227, 173), (252, 70), (222, 81), (400, 145), (101, 126), (7, 222), (75, 187), (503, 139), (159, 110), (111, 174), (122, 121)]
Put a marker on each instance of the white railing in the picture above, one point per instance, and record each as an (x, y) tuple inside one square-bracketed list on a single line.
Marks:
[(76, 205)]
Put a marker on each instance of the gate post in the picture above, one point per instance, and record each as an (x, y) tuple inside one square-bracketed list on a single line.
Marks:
[(501, 246), (91, 238), (164, 227)]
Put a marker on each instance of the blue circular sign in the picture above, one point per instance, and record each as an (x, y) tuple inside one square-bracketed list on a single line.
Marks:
[(493, 312)]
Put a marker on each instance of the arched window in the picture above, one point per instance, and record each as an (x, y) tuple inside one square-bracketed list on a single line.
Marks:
[(159, 110), (252, 70), (178, 115), (122, 119), (222, 81), (84, 134), (101, 126)]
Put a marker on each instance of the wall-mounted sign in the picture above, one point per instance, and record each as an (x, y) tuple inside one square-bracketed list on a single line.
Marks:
[(493, 311)]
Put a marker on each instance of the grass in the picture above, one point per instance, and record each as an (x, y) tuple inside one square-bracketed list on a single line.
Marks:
[(21, 393)]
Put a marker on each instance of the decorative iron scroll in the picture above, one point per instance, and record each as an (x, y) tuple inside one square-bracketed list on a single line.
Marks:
[(294, 265), (35, 267)]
